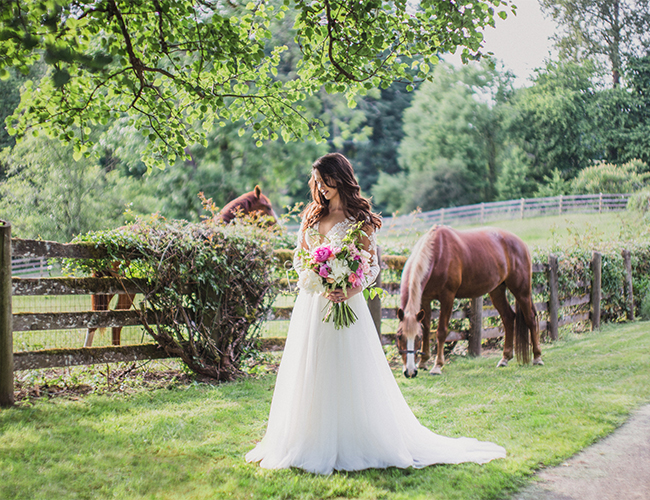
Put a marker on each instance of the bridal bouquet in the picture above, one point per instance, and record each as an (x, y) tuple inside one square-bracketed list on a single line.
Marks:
[(330, 267)]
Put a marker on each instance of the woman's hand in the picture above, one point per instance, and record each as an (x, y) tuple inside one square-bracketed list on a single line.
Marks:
[(339, 295)]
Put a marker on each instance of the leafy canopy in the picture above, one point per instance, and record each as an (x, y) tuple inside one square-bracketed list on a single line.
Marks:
[(177, 67)]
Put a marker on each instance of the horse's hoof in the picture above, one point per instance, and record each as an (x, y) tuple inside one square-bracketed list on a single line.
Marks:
[(436, 370), (503, 363), (538, 361)]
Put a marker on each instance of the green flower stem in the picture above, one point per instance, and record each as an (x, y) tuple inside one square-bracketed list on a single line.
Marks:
[(342, 315)]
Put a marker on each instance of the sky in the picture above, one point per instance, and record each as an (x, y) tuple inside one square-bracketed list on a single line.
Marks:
[(521, 41)]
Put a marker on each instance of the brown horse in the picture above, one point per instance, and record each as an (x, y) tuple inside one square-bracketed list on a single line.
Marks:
[(447, 264), (253, 202), (101, 301)]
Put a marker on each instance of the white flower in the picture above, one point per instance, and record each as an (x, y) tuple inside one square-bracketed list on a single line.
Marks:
[(340, 270), (310, 282)]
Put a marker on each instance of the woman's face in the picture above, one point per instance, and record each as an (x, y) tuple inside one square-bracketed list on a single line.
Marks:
[(328, 192)]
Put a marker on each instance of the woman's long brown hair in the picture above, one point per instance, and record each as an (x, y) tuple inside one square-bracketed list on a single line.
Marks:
[(336, 171)]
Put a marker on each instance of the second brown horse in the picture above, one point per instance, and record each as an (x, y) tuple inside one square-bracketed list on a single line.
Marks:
[(253, 202), (447, 264)]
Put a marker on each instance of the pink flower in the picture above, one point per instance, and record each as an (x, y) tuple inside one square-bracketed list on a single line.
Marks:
[(354, 280), (321, 254), (335, 251), (324, 271)]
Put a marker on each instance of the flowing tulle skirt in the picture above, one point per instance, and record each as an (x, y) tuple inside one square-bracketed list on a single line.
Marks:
[(337, 406)]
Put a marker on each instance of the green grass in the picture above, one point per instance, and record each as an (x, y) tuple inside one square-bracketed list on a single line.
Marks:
[(545, 232), (188, 441)]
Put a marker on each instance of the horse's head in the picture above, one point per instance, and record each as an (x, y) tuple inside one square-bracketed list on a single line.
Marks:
[(252, 203), (409, 340), (261, 205)]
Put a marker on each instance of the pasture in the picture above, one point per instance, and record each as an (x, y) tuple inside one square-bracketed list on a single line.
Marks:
[(187, 441), (548, 232)]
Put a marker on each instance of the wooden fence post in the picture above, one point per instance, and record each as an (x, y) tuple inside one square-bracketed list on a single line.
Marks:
[(629, 295), (553, 297), (475, 327), (596, 268), (375, 304), (521, 208), (6, 336), (560, 205), (600, 203)]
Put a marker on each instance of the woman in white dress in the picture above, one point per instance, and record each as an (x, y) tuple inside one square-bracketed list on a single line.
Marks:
[(336, 404)]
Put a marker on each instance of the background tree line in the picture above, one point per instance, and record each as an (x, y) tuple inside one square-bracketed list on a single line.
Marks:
[(463, 136)]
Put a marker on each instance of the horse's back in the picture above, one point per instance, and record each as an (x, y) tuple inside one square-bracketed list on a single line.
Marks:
[(473, 262)]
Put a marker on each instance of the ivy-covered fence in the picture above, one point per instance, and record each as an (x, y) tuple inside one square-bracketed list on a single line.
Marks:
[(204, 287), (570, 286)]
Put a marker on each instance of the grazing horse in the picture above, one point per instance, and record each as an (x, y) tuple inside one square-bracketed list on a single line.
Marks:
[(447, 264), (253, 202)]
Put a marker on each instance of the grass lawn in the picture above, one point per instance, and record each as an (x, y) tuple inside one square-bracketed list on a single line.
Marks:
[(546, 232), (188, 441)]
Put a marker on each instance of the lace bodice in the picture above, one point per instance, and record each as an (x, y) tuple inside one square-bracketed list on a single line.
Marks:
[(311, 238)]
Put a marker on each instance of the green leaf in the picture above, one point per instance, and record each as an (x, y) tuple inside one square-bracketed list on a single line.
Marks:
[(60, 77)]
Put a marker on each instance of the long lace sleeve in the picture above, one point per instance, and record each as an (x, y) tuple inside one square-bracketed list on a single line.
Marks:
[(301, 243), (370, 245)]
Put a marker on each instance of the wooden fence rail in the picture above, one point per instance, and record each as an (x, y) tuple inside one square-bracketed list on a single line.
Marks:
[(554, 309), (10, 361), (29, 266)]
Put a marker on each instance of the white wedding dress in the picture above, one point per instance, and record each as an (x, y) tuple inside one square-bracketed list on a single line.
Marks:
[(336, 404)]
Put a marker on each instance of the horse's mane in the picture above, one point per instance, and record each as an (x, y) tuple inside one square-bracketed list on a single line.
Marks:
[(416, 271)]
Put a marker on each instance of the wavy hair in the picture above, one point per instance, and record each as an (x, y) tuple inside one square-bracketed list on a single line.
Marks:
[(337, 172)]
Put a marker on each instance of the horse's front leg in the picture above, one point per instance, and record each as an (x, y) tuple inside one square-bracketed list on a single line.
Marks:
[(446, 306), (426, 333)]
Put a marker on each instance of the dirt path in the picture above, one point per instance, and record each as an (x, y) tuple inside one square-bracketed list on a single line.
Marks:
[(616, 468)]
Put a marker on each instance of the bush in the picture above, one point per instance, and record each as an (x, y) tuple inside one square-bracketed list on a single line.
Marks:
[(644, 308), (610, 178), (640, 202), (208, 285)]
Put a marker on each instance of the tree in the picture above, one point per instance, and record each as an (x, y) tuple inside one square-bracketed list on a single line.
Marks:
[(612, 29), (48, 195), (176, 67), (622, 116), (453, 118), (379, 153), (550, 122)]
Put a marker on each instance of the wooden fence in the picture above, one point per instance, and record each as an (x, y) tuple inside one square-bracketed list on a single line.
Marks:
[(29, 266), (481, 308), (13, 361)]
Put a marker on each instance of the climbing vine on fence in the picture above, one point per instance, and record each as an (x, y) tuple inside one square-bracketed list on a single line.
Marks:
[(208, 285)]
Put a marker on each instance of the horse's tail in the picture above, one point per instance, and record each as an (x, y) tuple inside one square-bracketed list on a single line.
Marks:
[(522, 335)]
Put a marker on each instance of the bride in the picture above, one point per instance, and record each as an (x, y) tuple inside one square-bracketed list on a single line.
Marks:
[(336, 404)]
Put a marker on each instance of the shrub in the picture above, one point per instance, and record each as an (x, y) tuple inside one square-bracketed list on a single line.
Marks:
[(207, 285), (644, 308), (610, 178), (640, 202)]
